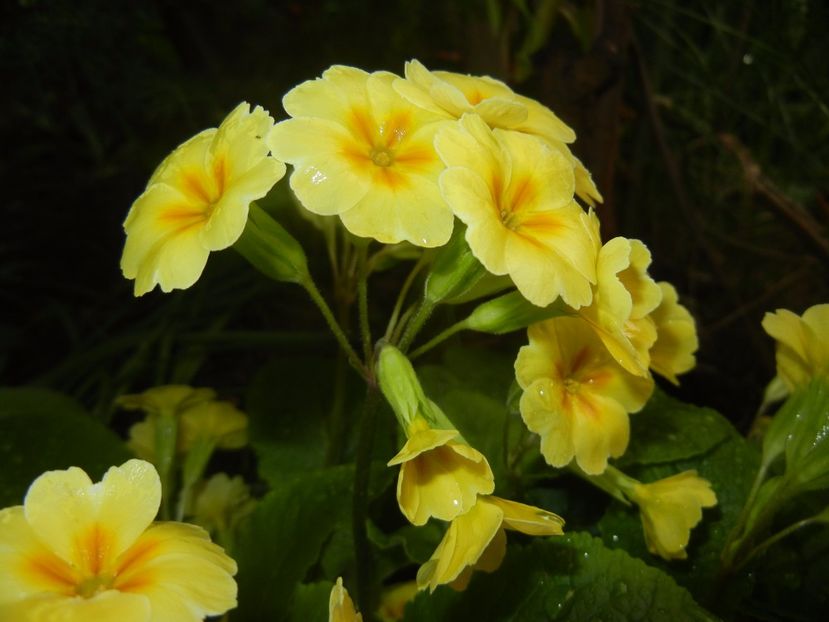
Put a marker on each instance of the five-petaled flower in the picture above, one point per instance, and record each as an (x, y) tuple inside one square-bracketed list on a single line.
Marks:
[(440, 475), (82, 551), (197, 201), (515, 195), (362, 151), (477, 540), (576, 396), (670, 508)]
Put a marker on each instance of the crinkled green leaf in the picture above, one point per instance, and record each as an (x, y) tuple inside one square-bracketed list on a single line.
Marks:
[(41, 430), (283, 537), (667, 430), (574, 577)]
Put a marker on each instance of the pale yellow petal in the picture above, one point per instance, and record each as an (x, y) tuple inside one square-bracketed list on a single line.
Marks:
[(676, 342), (108, 606), (601, 430), (184, 575), (527, 519), (423, 441), (340, 606), (542, 415), (340, 89), (90, 524)]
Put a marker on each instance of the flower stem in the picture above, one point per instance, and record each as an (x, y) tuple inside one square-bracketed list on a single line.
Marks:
[(339, 335), (362, 305), (401, 297), (439, 338), (362, 477), (760, 548), (424, 310)]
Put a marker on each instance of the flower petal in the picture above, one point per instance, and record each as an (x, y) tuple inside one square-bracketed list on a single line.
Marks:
[(108, 606)]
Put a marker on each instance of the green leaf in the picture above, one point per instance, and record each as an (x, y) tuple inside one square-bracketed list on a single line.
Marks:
[(283, 539), (310, 602), (667, 430), (730, 467), (574, 577), (41, 430), (288, 409)]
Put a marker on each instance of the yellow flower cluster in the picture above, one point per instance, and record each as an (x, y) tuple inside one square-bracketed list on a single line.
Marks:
[(77, 550)]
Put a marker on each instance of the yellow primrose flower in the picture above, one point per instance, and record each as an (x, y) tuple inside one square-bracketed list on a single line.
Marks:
[(576, 397), (670, 508), (439, 476), (623, 299), (802, 344), (166, 399), (676, 336), (452, 95), (476, 540), (394, 599), (362, 151), (340, 607), (82, 551), (197, 201), (515, 195)]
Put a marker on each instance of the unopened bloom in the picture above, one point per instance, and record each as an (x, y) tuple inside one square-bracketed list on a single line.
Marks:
[(197, 201), (340, 607), (802, 344), (623, 299), (515, 195), (362, 151), (82, 551), (476, 540), (576, 396), (676, 336), (670, 508), (440, 475)]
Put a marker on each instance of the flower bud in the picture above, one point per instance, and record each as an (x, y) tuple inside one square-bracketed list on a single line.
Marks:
[(271, 249)]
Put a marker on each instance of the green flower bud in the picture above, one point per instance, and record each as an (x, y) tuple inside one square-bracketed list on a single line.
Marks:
[(455, 270), (271, 249), (511, 312)]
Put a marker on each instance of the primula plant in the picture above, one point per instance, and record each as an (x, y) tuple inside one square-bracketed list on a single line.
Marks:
[(448, 212)]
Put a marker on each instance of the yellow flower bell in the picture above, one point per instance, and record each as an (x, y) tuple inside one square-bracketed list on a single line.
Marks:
[(802, 351), (515, 194), (197, 201), (576, 396), (440, 476), (340, 606), (476, 540), (363, 152), (670, 508), (82, 551), (623, 299), (676, 336)]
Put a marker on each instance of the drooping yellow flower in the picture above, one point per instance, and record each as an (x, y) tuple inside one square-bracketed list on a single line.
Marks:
[(440, 475), (623, 299), (340, 607), (576, 397), (802, 344), (676, 336), (515, 195), (362, 151), (80, 551), (453, 95), (476, 540), (197, 201), (670, 508)]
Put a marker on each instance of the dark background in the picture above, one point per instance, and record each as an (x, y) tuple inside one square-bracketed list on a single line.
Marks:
[(705, 125)]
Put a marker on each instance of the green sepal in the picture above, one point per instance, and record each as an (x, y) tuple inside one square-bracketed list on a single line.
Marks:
[(454, 272), (271, 249), (511, 312)]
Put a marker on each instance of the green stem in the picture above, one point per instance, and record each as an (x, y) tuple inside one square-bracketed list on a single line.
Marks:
[(401, 297), (336, 423), (439, 338), (362, 478), (362, 305), (339, 335), (760, 548), (424, 310), (166, 432)]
